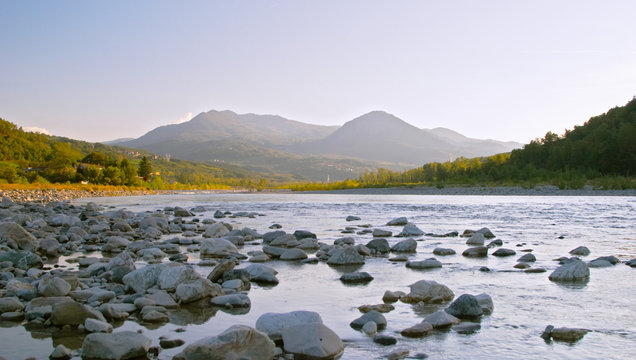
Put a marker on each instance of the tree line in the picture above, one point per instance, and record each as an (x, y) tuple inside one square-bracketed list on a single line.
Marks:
[(27, 157)]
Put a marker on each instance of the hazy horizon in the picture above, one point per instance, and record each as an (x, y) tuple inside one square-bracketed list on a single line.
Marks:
[(509, 71)]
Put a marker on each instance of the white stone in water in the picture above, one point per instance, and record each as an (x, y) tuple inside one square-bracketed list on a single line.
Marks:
[(370, 328)]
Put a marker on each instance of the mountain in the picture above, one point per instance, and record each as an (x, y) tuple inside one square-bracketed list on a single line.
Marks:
[(116, 141), (274, 145), (384, 137), (268, 130)]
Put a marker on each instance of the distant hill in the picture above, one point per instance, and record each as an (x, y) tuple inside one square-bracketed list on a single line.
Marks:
[(383, 137), (116, 141), (214, 125), (275, 145)]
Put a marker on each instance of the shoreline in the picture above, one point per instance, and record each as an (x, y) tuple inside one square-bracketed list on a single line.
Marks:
[(52, 194), (543, 190)]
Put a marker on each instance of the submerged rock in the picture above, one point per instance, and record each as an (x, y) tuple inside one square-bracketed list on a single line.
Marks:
[(273, 324)]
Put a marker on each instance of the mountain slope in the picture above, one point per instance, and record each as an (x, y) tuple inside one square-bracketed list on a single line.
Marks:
[(384, 137), (269, 130)]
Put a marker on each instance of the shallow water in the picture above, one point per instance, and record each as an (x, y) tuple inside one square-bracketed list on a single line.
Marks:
[(524, 303)]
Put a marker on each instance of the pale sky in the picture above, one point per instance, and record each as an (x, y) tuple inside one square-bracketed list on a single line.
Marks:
[(500, 69)]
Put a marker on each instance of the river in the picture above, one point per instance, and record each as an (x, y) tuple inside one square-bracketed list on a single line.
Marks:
[(525, 303)]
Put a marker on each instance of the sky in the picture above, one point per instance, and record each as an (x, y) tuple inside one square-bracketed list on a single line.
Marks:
[(498, 69)]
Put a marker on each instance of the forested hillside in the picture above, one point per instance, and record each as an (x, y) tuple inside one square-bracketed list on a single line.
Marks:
[(30, 157), (601, 152)]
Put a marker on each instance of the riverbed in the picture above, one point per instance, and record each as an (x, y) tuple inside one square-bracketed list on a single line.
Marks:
[(525, 303)]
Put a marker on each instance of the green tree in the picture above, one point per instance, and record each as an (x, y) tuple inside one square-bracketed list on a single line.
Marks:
[(145, 168)]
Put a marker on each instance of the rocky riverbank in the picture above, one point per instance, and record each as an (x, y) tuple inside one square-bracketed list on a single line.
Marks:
[(125, 266), (52, 194)]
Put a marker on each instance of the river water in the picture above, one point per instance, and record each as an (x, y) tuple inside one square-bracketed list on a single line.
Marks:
[(525, 303)]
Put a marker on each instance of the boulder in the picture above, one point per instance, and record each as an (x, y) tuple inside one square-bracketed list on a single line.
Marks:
[(374, 316), (428, 291), (346, 256), (55, 286), (196, 290), (370, 328), (119, 266), (217, 230), (631, 263), (293, 254), (22, 259), (262, 274), (411, 230), (73, 313), (485, 302), (379, 246), (382, 308), (575, 270), (94, 325), (356, 278), (443, 252), (304, 234), (151, 254), (352, 218), (144, 278), (477, 239), (441, 319), (220, 269), (398, 222), (504, 252), (465, 306), (385, 340), (565, 334), (61, 352), (528, 258), (392, 296), (170, 278), (273, 324), (115, 244), (580, 251), (237, 342), (217, 248), (115, 346), (232, 301), (422, 329), (431, 263), (312, 341), (405, 246), (381, 233), (117, 311), (49, 247), (181, 212), (476, 252), (10, 304), (16, 237)]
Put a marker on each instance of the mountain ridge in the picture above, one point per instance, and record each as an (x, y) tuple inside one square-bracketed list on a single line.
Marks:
[(375, 139)]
